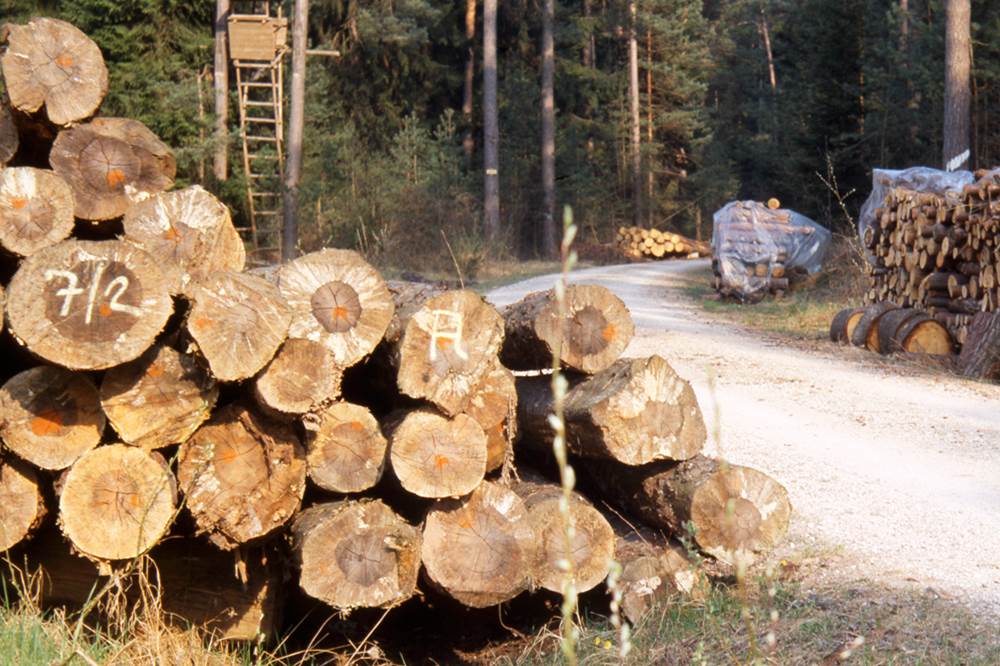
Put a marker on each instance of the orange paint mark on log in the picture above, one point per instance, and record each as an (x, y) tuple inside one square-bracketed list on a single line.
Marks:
[(171, 234), (465, 523), (47, 423), (203, 322), (609, 333), (104, 310), (444, 343), (64, 60), (17, 203), (357, 425), (340, 312), (154, 370), (440, 461), (133, 499), (229, 455), (115, 178)]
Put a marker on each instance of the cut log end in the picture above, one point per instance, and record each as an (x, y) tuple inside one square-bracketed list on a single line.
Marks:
[(300, 378), (494, 407), (22, 507), (346, 449), (36, 209), (116, 502), (356, 554), (480, 550), (435, 457)]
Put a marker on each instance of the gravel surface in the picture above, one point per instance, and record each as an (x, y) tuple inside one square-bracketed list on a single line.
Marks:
[(895, 469)]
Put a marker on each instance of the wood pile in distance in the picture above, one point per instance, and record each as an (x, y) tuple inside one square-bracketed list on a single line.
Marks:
[(639, 243)]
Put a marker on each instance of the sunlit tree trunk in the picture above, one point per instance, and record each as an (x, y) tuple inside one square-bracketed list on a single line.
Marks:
[(491, 132), (220, 161), (957, 93), (549, 247), (633, 92), (468, 142)]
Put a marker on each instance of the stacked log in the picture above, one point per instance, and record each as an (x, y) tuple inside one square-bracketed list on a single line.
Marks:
[(209, 376), (639, 243)]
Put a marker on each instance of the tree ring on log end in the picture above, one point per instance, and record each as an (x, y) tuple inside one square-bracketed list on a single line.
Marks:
[(36, 209), (435, 457), (107, 164), (345, 448), (364, 559), (117, 501), (336, 306), (589, 331)]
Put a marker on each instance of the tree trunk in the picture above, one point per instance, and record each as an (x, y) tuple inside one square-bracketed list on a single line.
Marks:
[(345, 449), (112, 163), (635, 412), (36, 209), (494, 407), (480, 549), (434, 456), (957, 94), (980, 357), (633, 94), (491, 130), (596, 332), (736, 512), (243, 476), (22, 508), (591, 549), (338, 299), (468, 141), (220, 80), (190, 231), (52, 63), (88, 305), (356, 554), (550, 247), (590, 45), (117, 501), (301, 378), (159, 399), (765, 34), (296, 121), (650, 179), (239, 321)]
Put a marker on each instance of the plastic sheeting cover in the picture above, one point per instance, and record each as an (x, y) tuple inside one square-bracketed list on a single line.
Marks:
[(919, 179), (747, 233)]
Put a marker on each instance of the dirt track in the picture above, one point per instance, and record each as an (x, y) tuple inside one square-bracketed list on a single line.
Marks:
[(894, 471)]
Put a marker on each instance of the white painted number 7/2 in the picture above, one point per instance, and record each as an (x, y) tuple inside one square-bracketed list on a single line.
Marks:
[(115, 289)]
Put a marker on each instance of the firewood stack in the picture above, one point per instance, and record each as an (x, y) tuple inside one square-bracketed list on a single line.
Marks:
[(637, 243), (761, 249), (158, 399), (939, 254)]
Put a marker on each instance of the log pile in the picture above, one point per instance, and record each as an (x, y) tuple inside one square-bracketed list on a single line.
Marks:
[(938, 254), (638, 243), (219, 425)]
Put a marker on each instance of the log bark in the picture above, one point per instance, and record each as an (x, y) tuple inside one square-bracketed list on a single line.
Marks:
[(889, 325), (866, 332), (112, 163), (301, 378), (345, 448), (22, 506), (494, 407), (88, 305), (243, 476), (596, 332), (159, 399), (434, 456), (36, 209), (238, 321), (447, 348), (923, 335), (53, 64), (635, 412), (980, 357), (480, 549), (737, 512), (9, 139), (116, 502), (591, 549), (50, 416), (190, 231), (337, 299), (844, 323), (356, 554)]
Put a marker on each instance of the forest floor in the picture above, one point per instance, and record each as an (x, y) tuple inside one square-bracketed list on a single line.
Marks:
[(893, 468)]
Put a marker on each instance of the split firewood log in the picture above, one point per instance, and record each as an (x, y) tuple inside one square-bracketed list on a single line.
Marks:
[(596, 331), (117, 501), (494, 407), (345, 448), (356, 554), (337, 299), (111, 163), (51, 63), (190, 231), (435, 456), (243, 476), (301, 378), (238, 321), (480, 549), (22, 505), (36, 209), (50, 416), (636, 411), (88, 305), (590, 550), (9, 139), (737, 512), (159, 399), (980, 357)]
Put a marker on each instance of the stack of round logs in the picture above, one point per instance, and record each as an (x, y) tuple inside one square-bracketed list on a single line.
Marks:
[(638, 243), (157, 399)]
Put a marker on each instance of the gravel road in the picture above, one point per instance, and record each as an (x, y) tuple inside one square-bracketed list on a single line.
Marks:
[(894, 469)]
